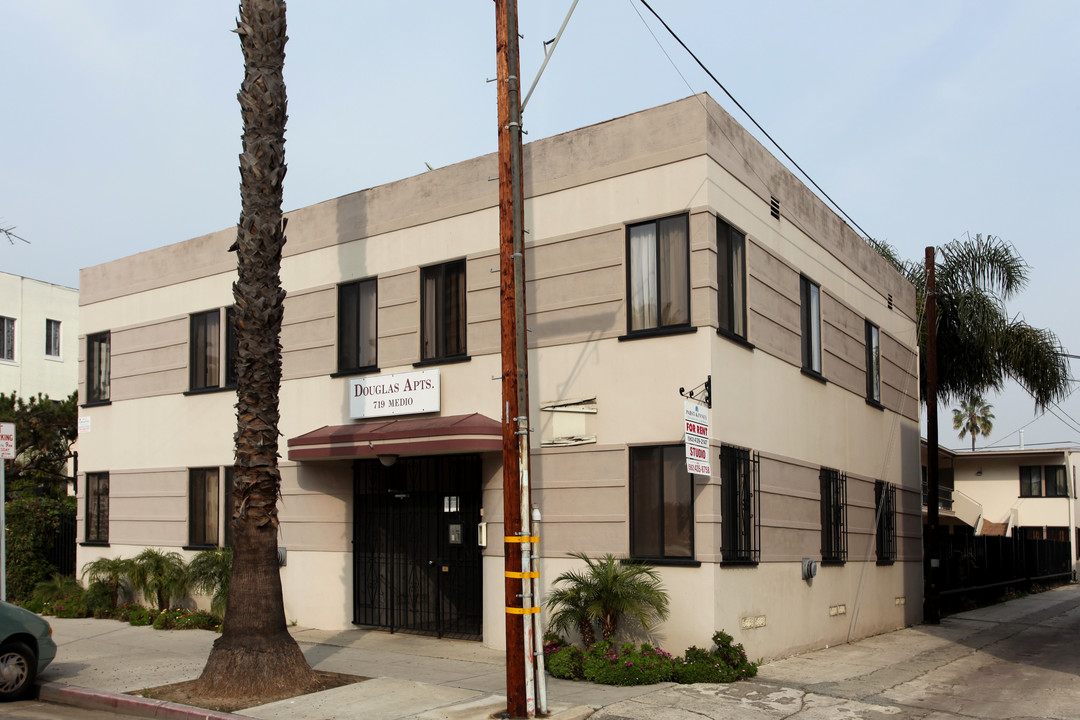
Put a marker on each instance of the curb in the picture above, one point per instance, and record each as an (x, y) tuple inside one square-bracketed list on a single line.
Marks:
[(127, 704)]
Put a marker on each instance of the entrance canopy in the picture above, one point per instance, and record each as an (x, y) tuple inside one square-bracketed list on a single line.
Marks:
[(413, 436)]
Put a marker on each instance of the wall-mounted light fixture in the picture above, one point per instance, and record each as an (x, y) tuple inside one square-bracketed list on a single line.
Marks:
[(387, 460)]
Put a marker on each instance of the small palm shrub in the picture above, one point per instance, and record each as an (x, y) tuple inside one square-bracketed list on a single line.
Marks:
[(209, 572), (138, 615), (160, 576), (57, 587), (725, 663), (98, 599), (627, 664), (605, 591), (115, 573)]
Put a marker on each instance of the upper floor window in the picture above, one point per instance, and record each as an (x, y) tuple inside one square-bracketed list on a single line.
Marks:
[(885, 509), (97, 507), (98, 373), (661, 504), (357, 330), (52, 338), (1032, 476), (740, 505), (658, 273), (833, 516), (7, 338), (873, 362), (810, 294), (213, 350), (731, 279), (203, 506), (442, 319)]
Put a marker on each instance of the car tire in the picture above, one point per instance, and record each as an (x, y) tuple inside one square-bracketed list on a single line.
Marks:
[(18, 667)]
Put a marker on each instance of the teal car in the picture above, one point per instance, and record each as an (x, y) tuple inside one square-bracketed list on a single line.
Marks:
[(26, 648)]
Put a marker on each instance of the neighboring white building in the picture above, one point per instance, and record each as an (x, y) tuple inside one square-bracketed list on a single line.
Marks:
[(665, 248), (39, 337)]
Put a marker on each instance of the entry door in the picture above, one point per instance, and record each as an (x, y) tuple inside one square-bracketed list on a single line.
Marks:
[(416, 558)]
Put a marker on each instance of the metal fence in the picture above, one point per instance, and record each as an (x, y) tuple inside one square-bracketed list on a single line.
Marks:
[(970, 563), (62, 553)]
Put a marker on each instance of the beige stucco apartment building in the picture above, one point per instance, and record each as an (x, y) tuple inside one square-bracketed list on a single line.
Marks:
[(665, 248)]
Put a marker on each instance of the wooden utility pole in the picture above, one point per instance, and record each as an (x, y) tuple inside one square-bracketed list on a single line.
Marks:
[(515, 380), (932, 574)]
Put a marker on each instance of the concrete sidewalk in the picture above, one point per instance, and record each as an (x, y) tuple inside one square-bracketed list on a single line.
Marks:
[(1020, 659)]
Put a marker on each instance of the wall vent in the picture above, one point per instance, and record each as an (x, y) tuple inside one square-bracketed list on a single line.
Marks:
[(774, 207)]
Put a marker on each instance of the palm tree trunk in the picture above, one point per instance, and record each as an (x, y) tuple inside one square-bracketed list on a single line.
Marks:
[(255, 653)]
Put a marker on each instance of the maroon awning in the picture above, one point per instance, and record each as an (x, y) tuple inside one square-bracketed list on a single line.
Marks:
[(412, 436)]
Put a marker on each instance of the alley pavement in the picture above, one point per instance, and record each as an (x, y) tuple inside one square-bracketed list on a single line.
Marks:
[(1020, 659)]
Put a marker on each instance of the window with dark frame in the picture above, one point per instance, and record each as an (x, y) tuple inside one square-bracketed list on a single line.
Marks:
[(658, 274), (97, 507), (203, 507), (731, 279), (1031, 481), (213, 350), (833, 516), (357, 326), (740, 505), (98, 372), (1057, 481), (885, 512), (810, 294), (7, 338), (873, 362), (52, 338), (442, 314), (229, 504), (661, 504)]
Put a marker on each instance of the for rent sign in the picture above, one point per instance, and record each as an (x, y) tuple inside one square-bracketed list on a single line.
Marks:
[(696, 422), (395, 394)]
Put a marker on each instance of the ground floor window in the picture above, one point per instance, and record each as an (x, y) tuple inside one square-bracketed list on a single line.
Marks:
[(203, 507), (661, 504), (885, 508), (97, 507), (833, 516), (740, 505)]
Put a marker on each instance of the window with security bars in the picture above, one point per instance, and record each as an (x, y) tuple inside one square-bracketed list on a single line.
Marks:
[(7, 338), (98, 373), (885, 508), (833, 516), (740, 505)]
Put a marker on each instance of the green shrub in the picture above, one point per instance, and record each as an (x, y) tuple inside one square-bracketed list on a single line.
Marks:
[(138, 615), (69, 607), (627, 665), (57, 587), (564, 661), (123, 612), (33, 605), (726, 662), (197, 620), (32, 525), (209, 572), (98, 599)]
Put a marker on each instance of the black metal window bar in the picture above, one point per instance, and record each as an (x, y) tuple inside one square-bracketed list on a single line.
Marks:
[(740, 508), (885, 507), (833, 516)]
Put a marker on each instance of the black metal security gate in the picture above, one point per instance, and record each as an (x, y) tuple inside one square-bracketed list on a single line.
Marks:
[(416, 561)]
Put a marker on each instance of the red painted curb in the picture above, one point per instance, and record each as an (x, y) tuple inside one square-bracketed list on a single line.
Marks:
[(127, 704)]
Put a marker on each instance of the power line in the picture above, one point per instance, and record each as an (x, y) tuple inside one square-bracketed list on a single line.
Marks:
[(751, 117)]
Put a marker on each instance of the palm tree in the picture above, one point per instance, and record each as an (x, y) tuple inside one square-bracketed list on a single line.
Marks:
[(973, 416), (603, 592), (114, 572), (979, 345), (210, 571), (255, 654), (161, 577)]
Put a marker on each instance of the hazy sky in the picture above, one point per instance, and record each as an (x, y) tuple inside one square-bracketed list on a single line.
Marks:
[(925, 120)]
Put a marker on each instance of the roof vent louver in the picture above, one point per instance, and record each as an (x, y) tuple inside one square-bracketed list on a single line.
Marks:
[(774, 207)]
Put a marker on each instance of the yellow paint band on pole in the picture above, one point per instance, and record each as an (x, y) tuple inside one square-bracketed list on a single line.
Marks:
[(522, 611), (521, 539), (521, 575)]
